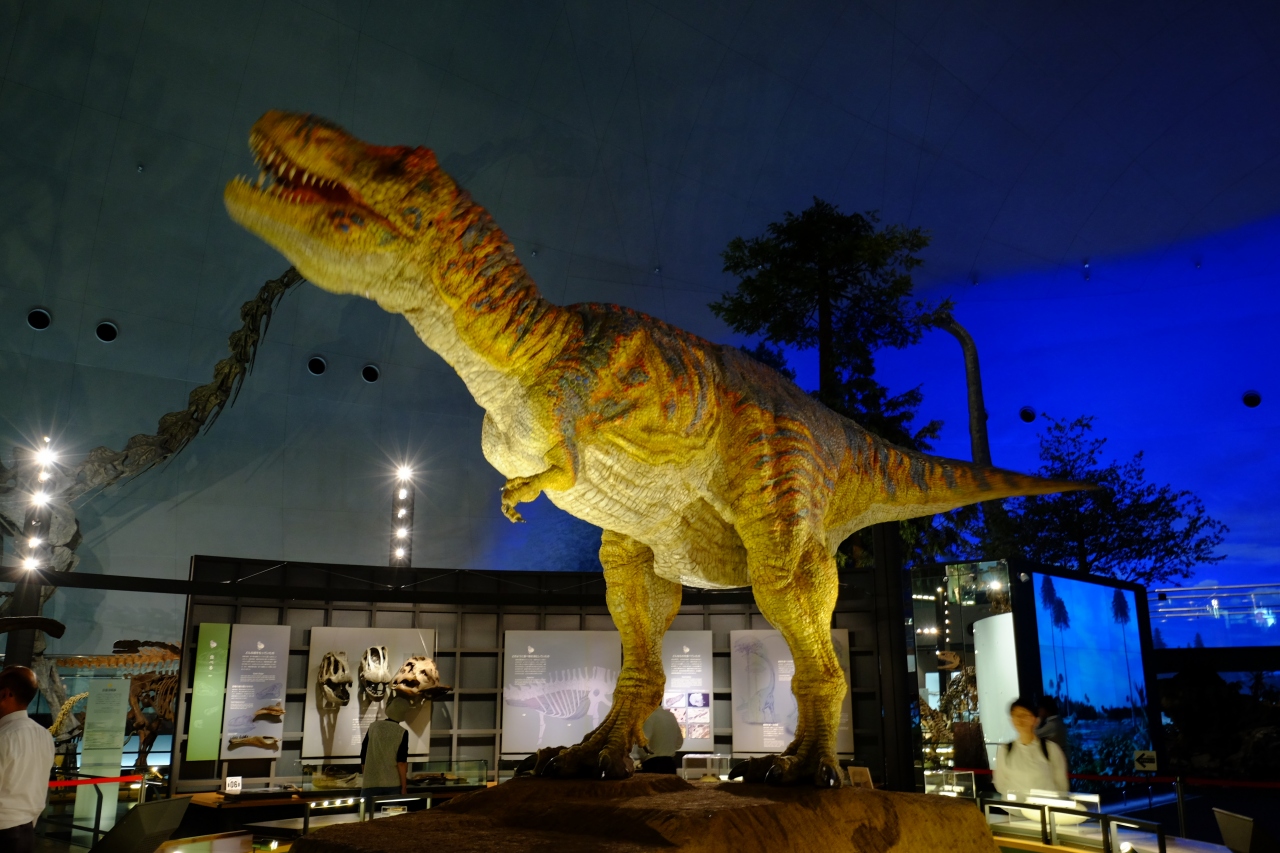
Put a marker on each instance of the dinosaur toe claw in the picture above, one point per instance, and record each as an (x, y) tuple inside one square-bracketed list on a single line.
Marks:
[(526, 767), (552, 768), (773, 776), (739, 770), (828, 777)]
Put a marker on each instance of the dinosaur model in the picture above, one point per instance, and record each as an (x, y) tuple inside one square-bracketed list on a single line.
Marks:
[(701, 465)]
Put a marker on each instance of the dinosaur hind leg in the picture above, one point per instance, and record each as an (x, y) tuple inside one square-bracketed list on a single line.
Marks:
[(642, 605), (795, 585)]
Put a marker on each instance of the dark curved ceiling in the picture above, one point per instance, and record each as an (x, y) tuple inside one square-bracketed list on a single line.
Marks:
[(623, 142)]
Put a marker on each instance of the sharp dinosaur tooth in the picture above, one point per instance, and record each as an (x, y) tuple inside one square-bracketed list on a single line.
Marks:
[(293, 171), (271, 155), (262, 176)]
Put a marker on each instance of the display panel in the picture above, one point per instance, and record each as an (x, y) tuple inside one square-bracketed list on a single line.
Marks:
[(1091, 662), (764, 709), (342, 702), (256, 670), (557, 686), (687, 662)]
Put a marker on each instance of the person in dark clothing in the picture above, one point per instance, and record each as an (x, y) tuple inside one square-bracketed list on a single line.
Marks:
[(384, 753), (1051, 727)]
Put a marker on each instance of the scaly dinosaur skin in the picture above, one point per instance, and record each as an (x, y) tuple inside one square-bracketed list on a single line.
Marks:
[(702, 466)]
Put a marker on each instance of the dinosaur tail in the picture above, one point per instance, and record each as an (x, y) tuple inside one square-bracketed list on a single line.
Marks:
[(893, 484)]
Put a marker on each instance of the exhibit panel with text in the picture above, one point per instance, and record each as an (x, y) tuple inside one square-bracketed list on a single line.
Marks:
[(687, 662), (349, 675), (764, 710), (252, 710), (556, 686)]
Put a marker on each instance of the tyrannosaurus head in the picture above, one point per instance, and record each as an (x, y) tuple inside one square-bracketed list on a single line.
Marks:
[(347, 214)]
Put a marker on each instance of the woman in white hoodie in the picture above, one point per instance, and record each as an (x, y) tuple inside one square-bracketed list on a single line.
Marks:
[(1029, 762)]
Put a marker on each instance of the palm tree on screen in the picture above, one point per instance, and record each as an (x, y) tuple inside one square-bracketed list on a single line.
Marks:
[(1049, 595), (1062, 621), (1120, 614)]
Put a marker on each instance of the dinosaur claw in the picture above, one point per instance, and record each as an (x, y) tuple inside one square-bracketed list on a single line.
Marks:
[(739, 770), (552, 768), (827, 777), (773, 776), (526, 767)]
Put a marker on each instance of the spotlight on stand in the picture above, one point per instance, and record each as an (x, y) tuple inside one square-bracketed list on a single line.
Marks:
[(402, 519)]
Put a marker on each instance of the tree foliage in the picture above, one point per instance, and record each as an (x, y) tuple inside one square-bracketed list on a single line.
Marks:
[(841, 284), (1128, 528)]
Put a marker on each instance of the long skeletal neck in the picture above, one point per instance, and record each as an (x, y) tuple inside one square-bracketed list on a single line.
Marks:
[(485, 315)]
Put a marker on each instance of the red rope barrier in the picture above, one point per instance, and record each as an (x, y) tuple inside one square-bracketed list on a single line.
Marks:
[(71, 783)]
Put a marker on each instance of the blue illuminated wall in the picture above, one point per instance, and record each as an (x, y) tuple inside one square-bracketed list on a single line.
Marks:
[(1159, 349)]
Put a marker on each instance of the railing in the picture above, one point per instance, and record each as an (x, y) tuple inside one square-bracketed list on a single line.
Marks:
[(1179, 784), (97, 782)]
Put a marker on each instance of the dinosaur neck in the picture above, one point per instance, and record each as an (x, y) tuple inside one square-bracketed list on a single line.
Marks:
[(486, 318)]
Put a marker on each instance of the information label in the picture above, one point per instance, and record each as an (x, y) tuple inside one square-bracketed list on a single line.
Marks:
[(557, 686), (764, 709), (207, 691), (253, 712), (102, 747), (687, 659)]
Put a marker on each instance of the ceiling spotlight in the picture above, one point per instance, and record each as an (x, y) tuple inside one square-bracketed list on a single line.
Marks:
[(29, 563), (46, 456), (402, 512), (404, 472), (1252, 399), (995, 585), (1027, 414), (400, 553), (46, 439), (39, 499), (42, 476), (401, 533), (402, 494), (33, 542)]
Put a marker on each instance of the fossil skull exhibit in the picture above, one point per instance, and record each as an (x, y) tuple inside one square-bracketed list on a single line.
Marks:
[(419, 678), (333, 681), (375, 673)]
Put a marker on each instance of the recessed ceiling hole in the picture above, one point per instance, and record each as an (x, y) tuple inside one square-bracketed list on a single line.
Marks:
[(1252, 399), (370, 373), (107, 331), (1027, 414), (39, 319), (316, 365)]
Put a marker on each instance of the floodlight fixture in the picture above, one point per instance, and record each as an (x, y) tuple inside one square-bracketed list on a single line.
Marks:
[(39, 499), (401, 533), (400, 552), (29, 563), (404, 472), (46, 456)]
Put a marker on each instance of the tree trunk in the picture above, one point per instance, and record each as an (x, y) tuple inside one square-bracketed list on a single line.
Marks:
[(980, 445), (827, 378)]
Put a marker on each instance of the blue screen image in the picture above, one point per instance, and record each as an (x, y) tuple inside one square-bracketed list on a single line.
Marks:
[(1091, 663)]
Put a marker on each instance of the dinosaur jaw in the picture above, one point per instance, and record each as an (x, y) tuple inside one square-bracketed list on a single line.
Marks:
[(311, 203)]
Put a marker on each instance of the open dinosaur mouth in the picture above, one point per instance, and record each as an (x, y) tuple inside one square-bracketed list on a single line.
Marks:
[(285, 180)]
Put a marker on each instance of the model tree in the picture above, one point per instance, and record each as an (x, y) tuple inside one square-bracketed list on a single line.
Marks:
[(839, 283), (1129, 529)]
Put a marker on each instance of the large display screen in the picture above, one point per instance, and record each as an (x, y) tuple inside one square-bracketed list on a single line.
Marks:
[(1091, 663)]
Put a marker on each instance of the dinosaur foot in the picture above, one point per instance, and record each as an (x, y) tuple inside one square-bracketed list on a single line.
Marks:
[(584, 761), (822, 771)]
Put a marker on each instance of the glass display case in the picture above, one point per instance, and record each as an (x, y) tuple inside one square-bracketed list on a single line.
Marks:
[(947, 602), (422, 774), (951, 783), (706, 766)]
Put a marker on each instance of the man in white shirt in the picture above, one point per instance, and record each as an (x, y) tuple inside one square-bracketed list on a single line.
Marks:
[(26, 755), (1029, 762)]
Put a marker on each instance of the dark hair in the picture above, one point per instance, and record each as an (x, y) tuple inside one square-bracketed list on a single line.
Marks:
[(21, 682), (1049, 705), (1024, 703)]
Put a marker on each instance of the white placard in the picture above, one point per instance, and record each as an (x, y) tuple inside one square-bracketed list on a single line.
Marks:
[(234, 784), (687, 661), (102, 747), (556, 687), (764, 710), (331, 732), (257, 666)]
